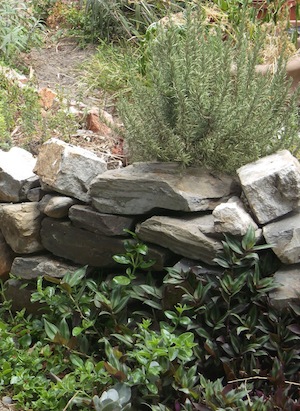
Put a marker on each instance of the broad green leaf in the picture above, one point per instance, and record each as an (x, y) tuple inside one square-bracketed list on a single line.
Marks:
[(64, 329), (76, 360), (248, 241), (171, 315), (153, 304), (121, 259), (77, 331), (234, 245), (75, 278), (121, 280), (50, 329)]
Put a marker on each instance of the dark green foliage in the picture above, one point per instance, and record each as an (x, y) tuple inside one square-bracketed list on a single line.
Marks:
[(107, 344), (202, 102)]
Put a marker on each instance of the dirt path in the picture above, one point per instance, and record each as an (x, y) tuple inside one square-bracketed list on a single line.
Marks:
[(56, 65)]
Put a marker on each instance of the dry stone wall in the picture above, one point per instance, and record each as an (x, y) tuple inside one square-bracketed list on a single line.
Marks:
[(65, 209)]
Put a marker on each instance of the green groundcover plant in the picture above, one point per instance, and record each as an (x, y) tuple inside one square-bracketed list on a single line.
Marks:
[(197, 340), (202, 102), (19, 28)]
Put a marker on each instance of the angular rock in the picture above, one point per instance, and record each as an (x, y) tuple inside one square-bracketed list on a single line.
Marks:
[(271, 185), (35, 194), (86, 248), (288, 290), (232, 218), (68, 169), (16, 167), (94, 123), (40, 265), (142, 187), (107, 224), (30, 184), (6, 257), (190, 237), (56, 206), (284, 236), (20, 225)]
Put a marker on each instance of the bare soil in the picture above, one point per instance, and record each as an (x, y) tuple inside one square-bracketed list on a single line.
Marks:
[(57, 65)]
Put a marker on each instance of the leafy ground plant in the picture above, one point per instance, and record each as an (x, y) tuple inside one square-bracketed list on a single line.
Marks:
[(19, 29), (104, 342)]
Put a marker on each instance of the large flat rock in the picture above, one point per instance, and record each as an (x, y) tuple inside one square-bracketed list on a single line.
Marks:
[(271, 185), (189, 236), (29, 267), (142, 187), (68, 169), (86, 217), (86, 248)]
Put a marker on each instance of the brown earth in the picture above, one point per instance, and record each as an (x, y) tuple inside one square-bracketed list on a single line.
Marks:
[(57, 66)]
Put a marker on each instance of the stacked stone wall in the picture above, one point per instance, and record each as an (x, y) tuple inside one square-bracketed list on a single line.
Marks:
[(64, 210)]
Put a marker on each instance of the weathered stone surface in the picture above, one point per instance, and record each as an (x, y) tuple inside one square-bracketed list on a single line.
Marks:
[(68, 169), (86, 248), (20, 225), (35, 194), (21, 296), (94, 123), (16, 166), (40, 265), (232, 218), (107, 224), (189, 236), (6, 257), (288, 290), (271, 185), (142, 187), (30, 184), (56, 206), (284, 235)]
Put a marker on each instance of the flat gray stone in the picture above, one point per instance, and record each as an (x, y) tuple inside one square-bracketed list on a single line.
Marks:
[(67, 169), (86, 217), (189, 236), (142, 187), (40, 265), (83, 247), (284, 236), (288, 290), (271, 185)]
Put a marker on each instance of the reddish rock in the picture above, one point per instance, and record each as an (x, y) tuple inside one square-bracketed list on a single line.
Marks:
[(47, 97), (94, 124)]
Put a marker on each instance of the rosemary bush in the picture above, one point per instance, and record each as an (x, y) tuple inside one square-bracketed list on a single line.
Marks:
[(203, 103)]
